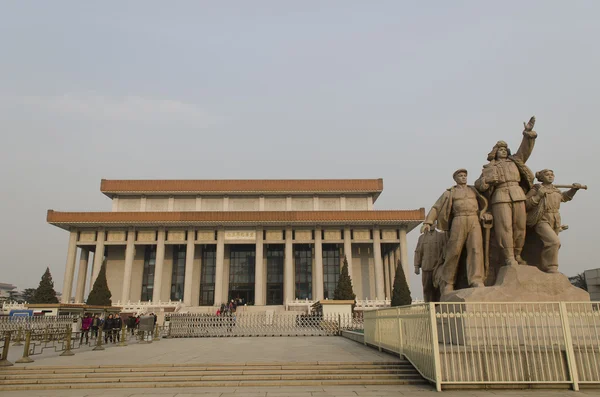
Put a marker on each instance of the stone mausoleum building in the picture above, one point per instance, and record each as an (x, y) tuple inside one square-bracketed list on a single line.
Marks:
[(267, 242)]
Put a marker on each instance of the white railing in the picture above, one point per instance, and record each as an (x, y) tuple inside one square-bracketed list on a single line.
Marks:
[(8, 306), (493, 343), (305, 305), (144, 307), (372, 304), (267, 323)]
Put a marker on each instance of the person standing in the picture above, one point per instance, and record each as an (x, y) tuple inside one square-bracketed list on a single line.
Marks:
[(86, 323)]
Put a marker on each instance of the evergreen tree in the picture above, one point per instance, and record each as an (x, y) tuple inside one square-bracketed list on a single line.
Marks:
[(401, 292), (343, 290), (28, 294), (45, 291), (100, 294)]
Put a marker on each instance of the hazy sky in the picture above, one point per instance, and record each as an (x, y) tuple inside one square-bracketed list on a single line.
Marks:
[(404, 91)]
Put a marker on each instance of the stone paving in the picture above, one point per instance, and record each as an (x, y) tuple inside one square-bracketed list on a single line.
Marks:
[(229, 350)]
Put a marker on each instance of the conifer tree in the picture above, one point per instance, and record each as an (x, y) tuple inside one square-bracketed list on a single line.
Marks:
[(343, 290), (401, 292), (45, 291), (100, 294)]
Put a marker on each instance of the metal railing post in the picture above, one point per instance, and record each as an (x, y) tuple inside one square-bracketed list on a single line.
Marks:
[(19, 338), (400, 337), (68, 336), (436, 348), (26, 359), (99, 340), (123, 336), (571, 363), (378, 329), (4, 359)]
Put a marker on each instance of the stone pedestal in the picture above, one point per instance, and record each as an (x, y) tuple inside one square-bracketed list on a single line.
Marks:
[(473, 317), (522, 284)]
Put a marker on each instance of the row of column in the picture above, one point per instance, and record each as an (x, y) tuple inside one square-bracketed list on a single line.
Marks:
[(384, 266)]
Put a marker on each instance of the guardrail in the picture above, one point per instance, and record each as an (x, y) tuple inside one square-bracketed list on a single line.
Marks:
[(36, 341), (493, 343), (189, 325)]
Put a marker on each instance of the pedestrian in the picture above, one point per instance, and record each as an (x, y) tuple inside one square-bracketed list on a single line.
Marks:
[(107, 328), (95, 325), (117, 325), (131, 324), (86, 323)]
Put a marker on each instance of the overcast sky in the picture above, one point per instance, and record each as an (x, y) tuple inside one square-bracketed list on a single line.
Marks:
[(404, 91)]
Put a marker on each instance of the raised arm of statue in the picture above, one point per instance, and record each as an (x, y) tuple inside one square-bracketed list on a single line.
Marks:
[(528, 141)]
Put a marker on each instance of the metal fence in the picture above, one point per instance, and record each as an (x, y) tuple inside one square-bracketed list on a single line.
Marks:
[(493, 343), (260, 324), (51, 323)]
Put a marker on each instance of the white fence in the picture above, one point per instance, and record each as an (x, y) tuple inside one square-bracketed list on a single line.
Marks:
[(260, 324), (493, 343)]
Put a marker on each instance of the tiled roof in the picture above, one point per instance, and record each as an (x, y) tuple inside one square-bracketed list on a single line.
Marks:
[(231, 217), (110, 187)]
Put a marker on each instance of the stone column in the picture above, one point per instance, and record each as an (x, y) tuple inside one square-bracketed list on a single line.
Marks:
[(318, 264), (404, 252), (219, 267), (288, 269), (348, 249), (386, 270), (189, 267), (158, 265), (129, 254), (259, 280), (379, 285), (98, 256), (69, 268), (82, 274)]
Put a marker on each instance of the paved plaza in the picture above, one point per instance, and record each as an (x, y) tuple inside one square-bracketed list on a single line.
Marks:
[(240, 350)]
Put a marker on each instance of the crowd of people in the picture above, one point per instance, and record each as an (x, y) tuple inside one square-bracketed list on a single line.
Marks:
[(110, 325)]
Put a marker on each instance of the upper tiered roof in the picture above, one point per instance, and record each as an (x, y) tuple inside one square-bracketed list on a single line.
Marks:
[(113, 188)]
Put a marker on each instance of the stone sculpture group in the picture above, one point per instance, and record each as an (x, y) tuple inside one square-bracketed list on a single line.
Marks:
[(505, 221)]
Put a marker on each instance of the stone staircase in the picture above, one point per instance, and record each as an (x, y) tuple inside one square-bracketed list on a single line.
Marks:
[(208, 375)]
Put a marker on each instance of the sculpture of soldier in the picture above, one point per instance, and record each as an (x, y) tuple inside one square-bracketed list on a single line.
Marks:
[(505, 180), (428, 256), (459, 211), (543, 204)]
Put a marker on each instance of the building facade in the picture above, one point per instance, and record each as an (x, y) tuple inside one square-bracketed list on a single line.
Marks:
[(266, 242)]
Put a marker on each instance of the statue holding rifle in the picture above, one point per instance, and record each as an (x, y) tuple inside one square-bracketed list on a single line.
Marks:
[(543, 217)]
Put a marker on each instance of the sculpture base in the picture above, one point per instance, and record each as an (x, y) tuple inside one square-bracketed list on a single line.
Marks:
[(522, 284)]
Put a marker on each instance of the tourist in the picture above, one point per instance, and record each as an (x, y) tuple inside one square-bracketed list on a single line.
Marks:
[(95, 325), (107, 328), (131, 321), (116, 328), (86, 323)]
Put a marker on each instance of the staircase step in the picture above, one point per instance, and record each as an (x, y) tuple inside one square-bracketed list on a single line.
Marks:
[(234, 383), (16, 375)]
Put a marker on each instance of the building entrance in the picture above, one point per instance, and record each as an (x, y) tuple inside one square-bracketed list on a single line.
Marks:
[(241, 273)]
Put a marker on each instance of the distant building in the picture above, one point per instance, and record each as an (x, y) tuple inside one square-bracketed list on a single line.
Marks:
[(265, 242), (592, 279)]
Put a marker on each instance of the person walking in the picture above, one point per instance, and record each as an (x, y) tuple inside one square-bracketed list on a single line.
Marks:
[(95, 325), (86, 323), (107, 329)]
